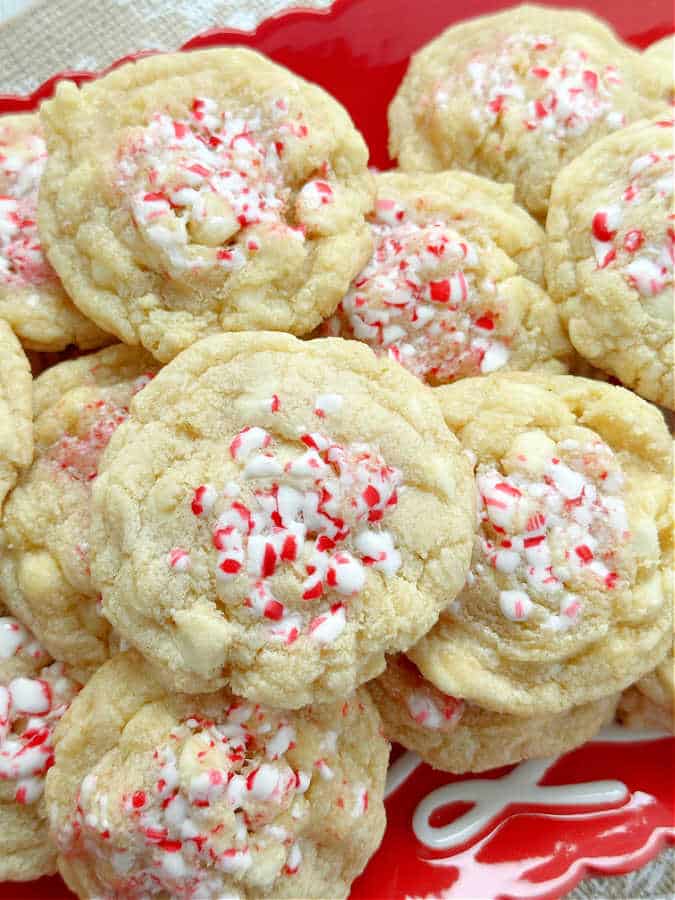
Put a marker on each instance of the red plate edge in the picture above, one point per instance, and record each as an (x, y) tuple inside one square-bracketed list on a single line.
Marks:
[(369, 45)]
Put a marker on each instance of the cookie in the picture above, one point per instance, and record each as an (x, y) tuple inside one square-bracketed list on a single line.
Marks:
[(517, 95), (455, 736), (154, 791), (661, 55), (569, 596), (32, 298), (16, 410), (279, 514), (44, 567), (649, 704), (194, 193), (452, 288), (34, 694), (609, 261), (662, 50)]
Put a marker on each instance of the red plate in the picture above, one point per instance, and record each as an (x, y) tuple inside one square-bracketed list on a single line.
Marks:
[(530, 831)]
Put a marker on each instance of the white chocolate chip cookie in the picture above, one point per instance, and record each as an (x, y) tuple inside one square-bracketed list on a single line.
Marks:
[(609, 263), (44, 566), (517, 95), (16, 410), (154, 791), (662, 49), (452, 288), (661, 55), (278, 515), (650, 703), (455, 736), (32, 298), (569, 596), (34, 694), (194, 193)]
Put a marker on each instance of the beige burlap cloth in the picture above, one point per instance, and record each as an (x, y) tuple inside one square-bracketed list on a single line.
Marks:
[(80, 34)]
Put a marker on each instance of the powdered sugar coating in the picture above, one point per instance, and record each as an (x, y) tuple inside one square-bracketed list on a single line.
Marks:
[(44, 570), (219, 797), (568, 597), (442, 293), (220, 193), (517, 95), (610, 256), (297, 517)]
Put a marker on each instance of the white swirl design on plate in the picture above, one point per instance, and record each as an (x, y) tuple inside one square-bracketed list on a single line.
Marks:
[(491, 797)]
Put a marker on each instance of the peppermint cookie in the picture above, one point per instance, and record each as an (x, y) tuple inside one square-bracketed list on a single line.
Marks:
[(16, 410), (661, 55), (662, 50), (569, 595), (455, 736), (452, 288), (44, 566), (517, 95), (279, 514), (195, 193), (649, 704), (32, 298), (34, 694), (163, 794), (611, 231)]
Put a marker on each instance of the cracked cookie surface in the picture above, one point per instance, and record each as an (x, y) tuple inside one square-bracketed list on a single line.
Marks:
[(610, 250), (44, 566), (459, 737), (32, 298), (568, 598), (16, 410), (208, 795), (277, 515), (194, 193), (517, 95)]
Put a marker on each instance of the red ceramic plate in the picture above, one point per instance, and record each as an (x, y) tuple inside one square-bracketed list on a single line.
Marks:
[(530, 831)]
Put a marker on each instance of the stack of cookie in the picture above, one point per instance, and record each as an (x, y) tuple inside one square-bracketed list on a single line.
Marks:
[(234, 564)]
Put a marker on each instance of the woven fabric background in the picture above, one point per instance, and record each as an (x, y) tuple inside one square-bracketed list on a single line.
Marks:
[(54, 35)]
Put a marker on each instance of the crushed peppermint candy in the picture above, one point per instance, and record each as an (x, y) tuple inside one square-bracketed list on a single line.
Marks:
[(78, 455), (553, 89), (552, 527), (433, 710), (218, 798), (22, 161), (16, 639), (645, 261), (30, 708), (424, 300), (196, 186), (313, 514), (426, 705)]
